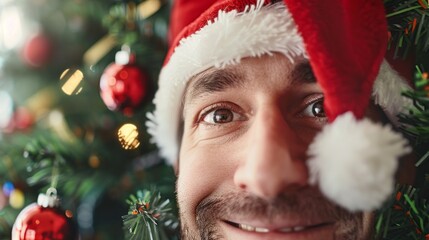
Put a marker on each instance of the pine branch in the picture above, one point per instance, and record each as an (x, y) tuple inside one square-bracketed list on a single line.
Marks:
[(408, 25), (149, 217), (415, 123), (406, 217), (57, 163)]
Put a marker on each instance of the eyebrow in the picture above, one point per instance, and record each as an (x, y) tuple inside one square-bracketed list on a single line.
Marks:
[(302, 74), (218, 80)]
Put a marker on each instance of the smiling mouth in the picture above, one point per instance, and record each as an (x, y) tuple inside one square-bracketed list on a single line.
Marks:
[(294, 229)]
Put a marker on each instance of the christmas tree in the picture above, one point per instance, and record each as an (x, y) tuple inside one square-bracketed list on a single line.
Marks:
[(76, 81)]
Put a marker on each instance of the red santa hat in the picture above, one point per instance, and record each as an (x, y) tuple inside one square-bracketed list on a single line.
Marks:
[(352, 160)]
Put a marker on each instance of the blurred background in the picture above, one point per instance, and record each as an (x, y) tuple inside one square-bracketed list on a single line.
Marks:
[(76, 80)]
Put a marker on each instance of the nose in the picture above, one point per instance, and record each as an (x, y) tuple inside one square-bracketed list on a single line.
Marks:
[(270, 165)]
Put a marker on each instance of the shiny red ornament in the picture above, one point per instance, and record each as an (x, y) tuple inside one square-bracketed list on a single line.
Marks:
[(123, 85), (43, 221), (37, 50)]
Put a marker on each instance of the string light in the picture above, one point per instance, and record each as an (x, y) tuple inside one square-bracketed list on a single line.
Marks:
[(71, 81), (128, 136), (16, 199)]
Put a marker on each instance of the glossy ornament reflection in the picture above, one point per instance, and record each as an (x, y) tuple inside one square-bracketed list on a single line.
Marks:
[(44, 220), (123, 84)]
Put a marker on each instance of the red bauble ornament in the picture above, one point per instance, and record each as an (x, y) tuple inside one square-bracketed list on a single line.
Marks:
[(22, 119), (123, 84), (37, 50), (44, 220)]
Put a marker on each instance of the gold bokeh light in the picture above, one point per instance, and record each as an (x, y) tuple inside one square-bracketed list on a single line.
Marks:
[(128, 136), (71, 81), (16, 199), (94, 161)]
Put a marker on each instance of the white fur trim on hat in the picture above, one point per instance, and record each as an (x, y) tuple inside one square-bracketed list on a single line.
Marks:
[(387, 92), (230, 37), (354, 162)]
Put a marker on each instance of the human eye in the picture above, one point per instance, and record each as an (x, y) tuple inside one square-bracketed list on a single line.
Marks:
[(314, 108), (221, 113)]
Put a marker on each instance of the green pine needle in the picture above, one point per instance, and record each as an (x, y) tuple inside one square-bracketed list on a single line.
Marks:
[(402, 11), (149, 217), (405, 218), (408, 26), (415, 123)]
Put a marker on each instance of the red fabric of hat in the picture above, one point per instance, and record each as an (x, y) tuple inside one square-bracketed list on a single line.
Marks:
[(203, 17), (346, 42), (183, 13)]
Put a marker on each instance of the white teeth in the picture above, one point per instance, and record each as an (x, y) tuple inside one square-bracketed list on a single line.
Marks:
[(246, 227), (253, 229), (265, 230), (261, 230)]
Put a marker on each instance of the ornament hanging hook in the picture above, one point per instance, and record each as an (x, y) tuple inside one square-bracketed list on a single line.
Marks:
[(52, 192)]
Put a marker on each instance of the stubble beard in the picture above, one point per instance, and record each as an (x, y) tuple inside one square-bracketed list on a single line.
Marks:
[(348, 226)]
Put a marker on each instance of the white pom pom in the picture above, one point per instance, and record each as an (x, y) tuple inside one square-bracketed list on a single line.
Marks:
[(354, 162)]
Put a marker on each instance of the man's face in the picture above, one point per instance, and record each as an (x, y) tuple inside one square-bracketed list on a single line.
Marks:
[(242, 171)]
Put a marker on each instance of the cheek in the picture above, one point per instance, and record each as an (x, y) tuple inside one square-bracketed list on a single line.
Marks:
[(203, 170)]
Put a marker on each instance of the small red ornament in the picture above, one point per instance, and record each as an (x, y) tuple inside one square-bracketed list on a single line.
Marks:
[(44, 220), (37, 50), (22, 119), (123, 84)]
